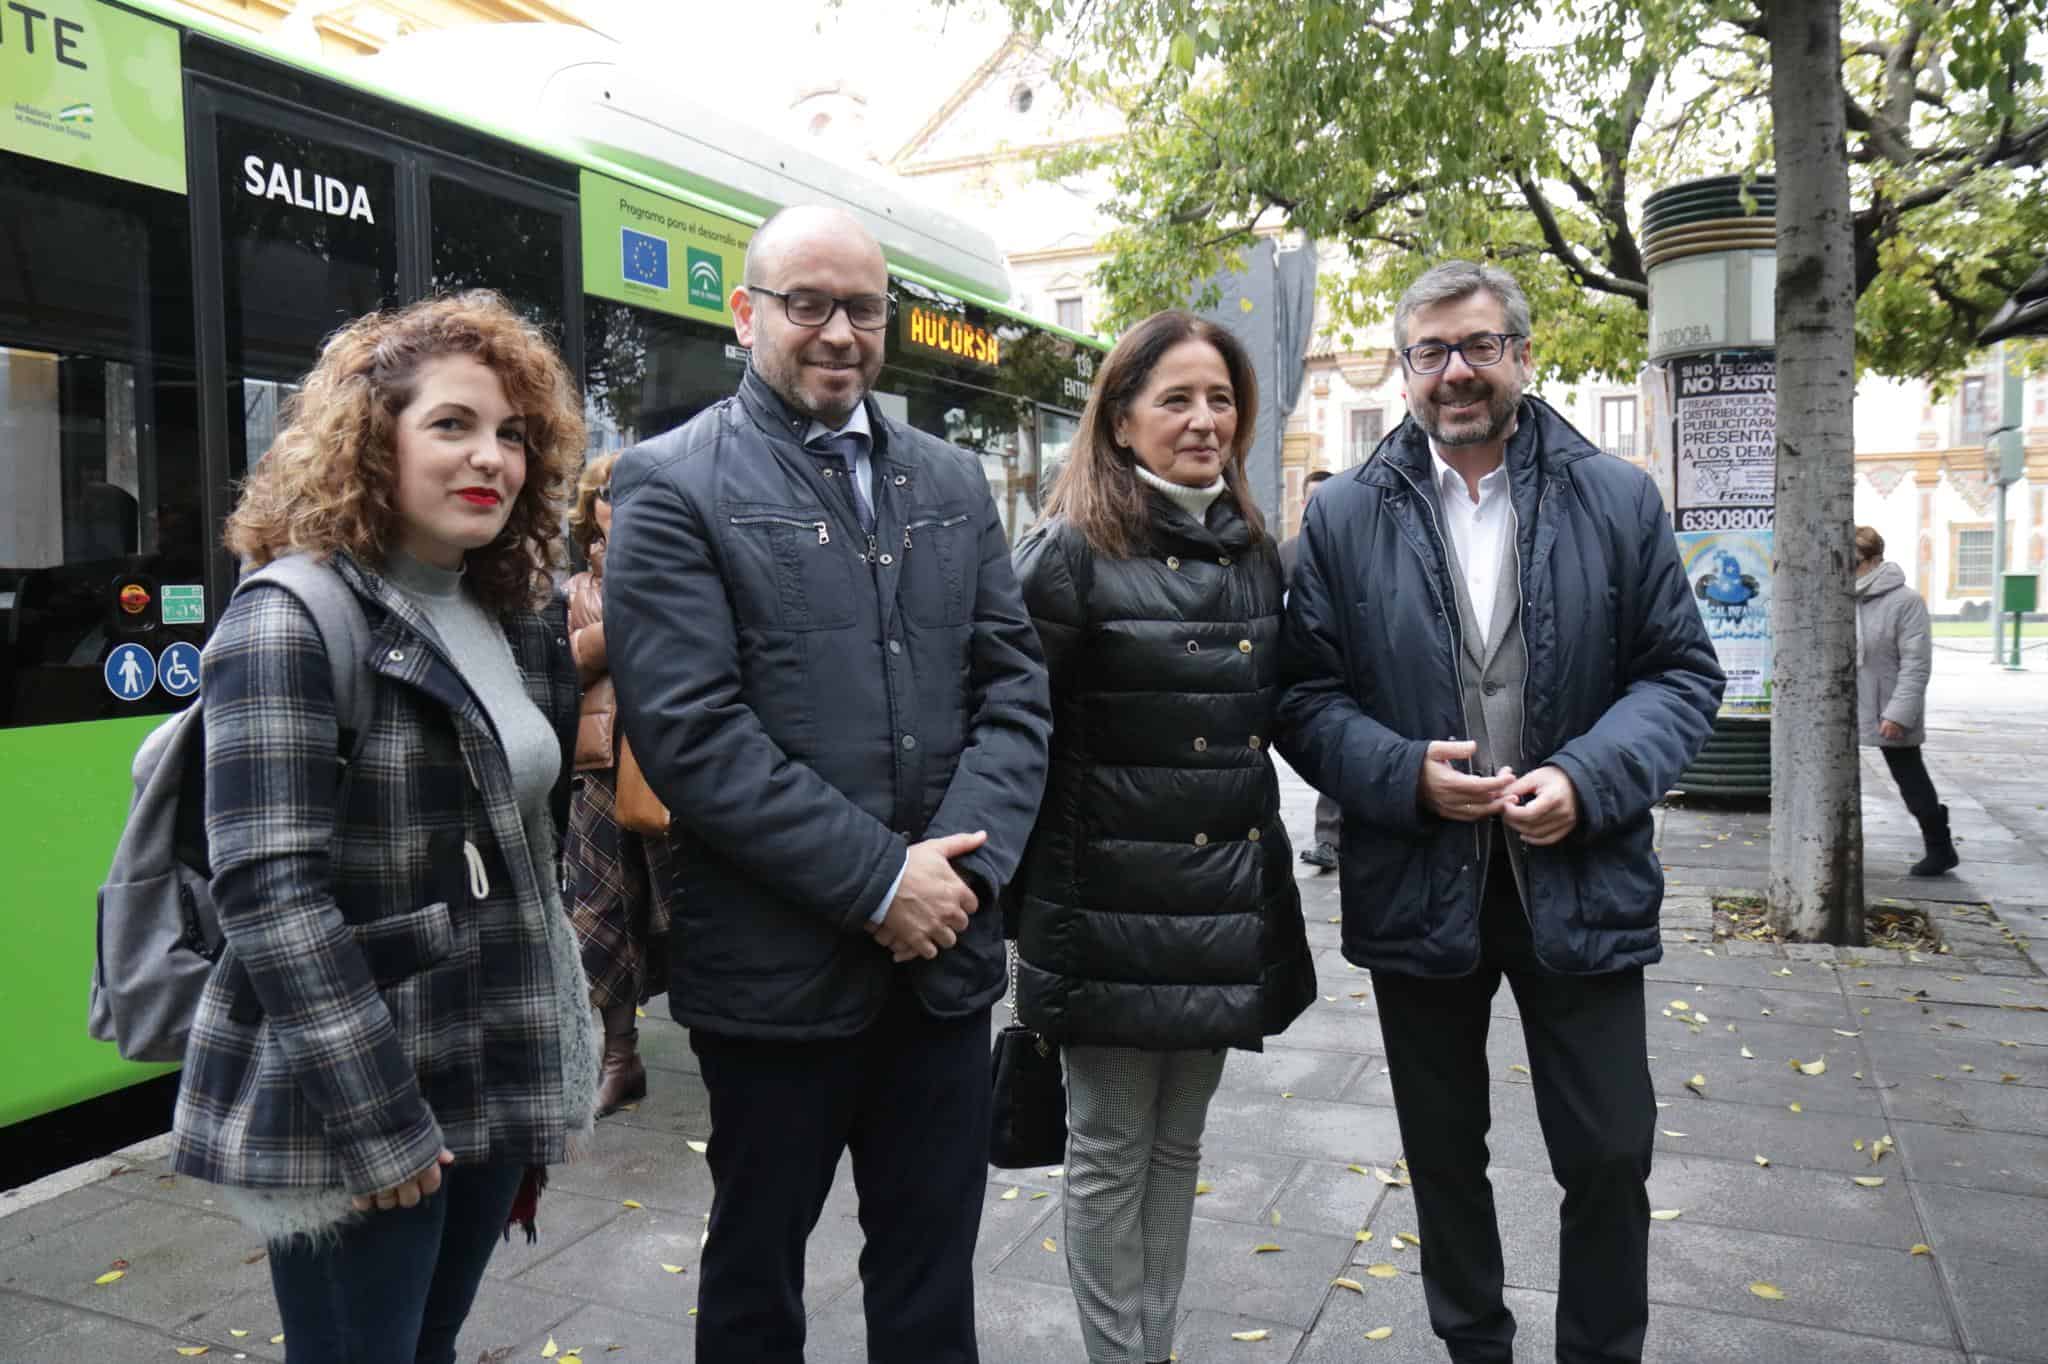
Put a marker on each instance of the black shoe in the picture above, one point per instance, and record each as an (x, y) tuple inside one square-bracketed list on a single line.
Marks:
[(1941, 847), (1322, 857)]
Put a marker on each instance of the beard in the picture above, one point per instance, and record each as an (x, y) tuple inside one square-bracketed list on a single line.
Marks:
[(807, 391), (1490, 424)]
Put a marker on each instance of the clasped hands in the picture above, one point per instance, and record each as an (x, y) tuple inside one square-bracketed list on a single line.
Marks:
[(1541, 808), (931, 906)]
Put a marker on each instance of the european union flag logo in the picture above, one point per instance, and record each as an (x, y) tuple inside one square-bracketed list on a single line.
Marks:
[(643, 259)]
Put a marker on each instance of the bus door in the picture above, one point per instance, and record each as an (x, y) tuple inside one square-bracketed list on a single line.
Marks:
[(305, 222)]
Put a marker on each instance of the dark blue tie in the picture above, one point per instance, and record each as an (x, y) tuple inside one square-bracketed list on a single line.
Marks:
[(843, 449)]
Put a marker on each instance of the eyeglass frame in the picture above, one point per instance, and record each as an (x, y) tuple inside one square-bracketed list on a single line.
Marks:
[(839, 305), (1503, 339), (604, 493)]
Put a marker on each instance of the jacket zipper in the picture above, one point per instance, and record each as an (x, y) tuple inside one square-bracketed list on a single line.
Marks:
[(941, 522), (1457, 663), (823, 528), (1522, 627)]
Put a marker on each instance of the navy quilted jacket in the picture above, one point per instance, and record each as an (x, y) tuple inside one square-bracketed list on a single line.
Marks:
[(1622, 689)]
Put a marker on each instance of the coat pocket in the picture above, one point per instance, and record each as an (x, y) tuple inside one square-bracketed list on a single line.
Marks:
[(939, 559), (786, 568), (399, 946)]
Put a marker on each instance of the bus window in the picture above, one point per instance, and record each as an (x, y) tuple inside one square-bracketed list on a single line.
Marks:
[(100, 480), (483, 240), (646, 372), (309, 240)]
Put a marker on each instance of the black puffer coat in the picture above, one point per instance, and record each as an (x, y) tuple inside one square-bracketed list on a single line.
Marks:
[(1156, 906)]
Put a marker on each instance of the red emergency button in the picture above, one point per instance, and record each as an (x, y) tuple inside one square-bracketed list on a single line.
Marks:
[(134, 599)]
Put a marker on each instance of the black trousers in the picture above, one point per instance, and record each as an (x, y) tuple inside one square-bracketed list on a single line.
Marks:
[(910, 1098), (1588, 1061), (1916, 788)]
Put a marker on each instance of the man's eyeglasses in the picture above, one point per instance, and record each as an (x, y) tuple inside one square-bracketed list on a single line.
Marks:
[(814, 307), (1433, 357)]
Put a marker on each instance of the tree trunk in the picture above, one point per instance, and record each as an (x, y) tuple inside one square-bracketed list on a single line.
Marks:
[(1816, 881)]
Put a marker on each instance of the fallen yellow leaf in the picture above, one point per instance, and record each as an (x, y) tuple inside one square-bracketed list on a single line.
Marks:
[(699, 1147), (1665, 1214), (1056, 1172), (1748, 1055), (1762, 1160), (1520, 1067), (1844, 1032), (110, 1276), (192, 1351), (1379, 1333), (1048, 1244), (1698, 1085), (629, 1203), (1264, 1246), (1410, 1237), (1204, 1186), (1362, 1237), (1352, 1284), (1382, 1271), (1009, 1195), (550, 1350), (1040, 1194), (1816, 1066), (1261, 1333), (1358, 1169), (1922, 1248), (1669, 1133), (1857, 1144), (1870, 1181), (1767, 1290), (277, 1339), (671, 1269), (1796, 1108), (236, 1334)]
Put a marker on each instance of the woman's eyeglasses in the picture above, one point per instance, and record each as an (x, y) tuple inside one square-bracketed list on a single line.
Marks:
[(604, 494)]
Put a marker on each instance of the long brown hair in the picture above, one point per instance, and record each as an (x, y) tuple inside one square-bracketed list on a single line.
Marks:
[(1098, 491), (328, 480), (583, 527)]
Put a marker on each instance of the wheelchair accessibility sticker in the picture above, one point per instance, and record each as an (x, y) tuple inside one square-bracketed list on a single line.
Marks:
[(178, 668)]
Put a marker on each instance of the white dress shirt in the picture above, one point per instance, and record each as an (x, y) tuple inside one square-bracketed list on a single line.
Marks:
[(1479, 530)]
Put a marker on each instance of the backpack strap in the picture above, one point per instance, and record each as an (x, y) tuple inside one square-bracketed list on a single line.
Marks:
[(344, 630)]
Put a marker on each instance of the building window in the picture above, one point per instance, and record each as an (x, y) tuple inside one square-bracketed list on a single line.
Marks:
[(1969, 560), (1618, 426), (1366, 426), (1970, 411), (1069, 313)]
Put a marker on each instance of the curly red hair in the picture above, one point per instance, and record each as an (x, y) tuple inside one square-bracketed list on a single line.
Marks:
[(328, 480)]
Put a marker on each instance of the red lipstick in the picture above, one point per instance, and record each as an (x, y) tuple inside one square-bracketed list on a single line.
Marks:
[(478, 497)]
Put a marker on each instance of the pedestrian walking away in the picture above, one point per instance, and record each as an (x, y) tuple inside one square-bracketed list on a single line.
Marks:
[(396, 1038), (621, 882), (1894, 657), (826, 673), (1492, 660), (1156, 912), (1329, 829)]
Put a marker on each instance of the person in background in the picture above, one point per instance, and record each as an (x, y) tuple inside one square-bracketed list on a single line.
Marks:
[(1329, 830), (827, 675), (621, 882), (397, 1028), (1894, 657), (1493, 657), (1156, 912)]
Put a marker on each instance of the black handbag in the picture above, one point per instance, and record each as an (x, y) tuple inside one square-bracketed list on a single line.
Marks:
[(1028, 1116)]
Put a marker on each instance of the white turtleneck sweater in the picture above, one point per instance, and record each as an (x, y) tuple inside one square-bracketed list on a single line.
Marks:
[(1194, 501)]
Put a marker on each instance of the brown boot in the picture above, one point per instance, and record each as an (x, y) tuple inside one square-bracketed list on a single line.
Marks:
[(623, 1079)]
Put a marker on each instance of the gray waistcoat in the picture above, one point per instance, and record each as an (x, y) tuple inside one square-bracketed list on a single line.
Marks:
[(1493, 674)]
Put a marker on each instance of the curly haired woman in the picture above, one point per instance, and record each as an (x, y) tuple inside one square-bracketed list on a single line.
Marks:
[(397, 1036), (621, 881)]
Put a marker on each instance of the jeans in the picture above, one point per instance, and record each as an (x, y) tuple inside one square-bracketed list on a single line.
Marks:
[(1916, 788), (397, 1285)]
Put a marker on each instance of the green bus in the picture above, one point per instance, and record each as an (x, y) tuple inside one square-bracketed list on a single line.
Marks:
[(186, 212)]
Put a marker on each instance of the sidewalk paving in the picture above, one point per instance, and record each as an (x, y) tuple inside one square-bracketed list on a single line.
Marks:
[(1947, 1054)]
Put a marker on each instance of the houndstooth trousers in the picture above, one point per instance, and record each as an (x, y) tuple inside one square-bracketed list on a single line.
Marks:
[(1134, 1147)]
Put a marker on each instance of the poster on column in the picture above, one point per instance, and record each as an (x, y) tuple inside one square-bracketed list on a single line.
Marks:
[(1729, 573), (1727, 434)]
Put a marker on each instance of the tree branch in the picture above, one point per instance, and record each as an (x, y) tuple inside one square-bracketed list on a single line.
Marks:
[(1554, 238)]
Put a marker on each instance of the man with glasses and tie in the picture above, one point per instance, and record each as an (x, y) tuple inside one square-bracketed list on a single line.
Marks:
[(828, 676), (1492, 661)]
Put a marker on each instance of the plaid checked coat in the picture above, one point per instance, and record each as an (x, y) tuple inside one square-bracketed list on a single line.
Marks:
[(386, 986)]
